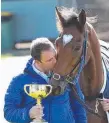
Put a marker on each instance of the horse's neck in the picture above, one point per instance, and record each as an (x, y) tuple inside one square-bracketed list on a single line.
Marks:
[(92, 74)]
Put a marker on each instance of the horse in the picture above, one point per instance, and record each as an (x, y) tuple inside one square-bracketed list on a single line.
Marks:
[(79, 59)]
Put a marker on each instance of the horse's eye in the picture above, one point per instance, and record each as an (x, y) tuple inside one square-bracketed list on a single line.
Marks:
[(78, 40), (60, 35), (77, 48)]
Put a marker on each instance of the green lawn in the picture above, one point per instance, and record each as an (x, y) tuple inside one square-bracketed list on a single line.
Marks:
[(6, 55)]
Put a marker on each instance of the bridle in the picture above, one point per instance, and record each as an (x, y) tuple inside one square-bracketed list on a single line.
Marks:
[(81, 62), (72, 81)]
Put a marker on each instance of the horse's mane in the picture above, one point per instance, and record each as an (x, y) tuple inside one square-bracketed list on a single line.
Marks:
[(70, 18)]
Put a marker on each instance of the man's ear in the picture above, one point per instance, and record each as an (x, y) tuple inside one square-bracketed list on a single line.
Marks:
[(82, 18), (37, 61)]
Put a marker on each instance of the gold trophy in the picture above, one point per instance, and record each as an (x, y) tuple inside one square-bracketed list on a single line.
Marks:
[(38, 91)]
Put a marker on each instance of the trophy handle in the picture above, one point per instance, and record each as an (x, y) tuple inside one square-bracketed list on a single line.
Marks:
[(25, 87), (50, 89)]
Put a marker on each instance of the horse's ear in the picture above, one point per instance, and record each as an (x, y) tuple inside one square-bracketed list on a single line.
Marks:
[(82, 18), (59, 16)]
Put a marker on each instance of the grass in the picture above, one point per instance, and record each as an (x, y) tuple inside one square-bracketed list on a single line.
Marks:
[(14, 53), (6, 55)]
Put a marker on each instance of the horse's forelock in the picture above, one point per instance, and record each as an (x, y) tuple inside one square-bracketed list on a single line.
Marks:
[(68, 13)]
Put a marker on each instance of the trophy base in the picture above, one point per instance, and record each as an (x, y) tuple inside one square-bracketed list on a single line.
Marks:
[(42, 121), (38, 122)]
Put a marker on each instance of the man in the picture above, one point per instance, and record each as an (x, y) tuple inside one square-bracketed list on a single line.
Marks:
[(105, 104), (20, 108)]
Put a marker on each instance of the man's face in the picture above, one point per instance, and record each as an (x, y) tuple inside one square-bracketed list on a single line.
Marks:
[(48, 60)]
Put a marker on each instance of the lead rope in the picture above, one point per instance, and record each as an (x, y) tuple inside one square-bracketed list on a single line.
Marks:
[(74, 92)]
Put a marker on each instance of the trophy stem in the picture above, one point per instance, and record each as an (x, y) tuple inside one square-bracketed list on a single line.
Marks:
[(38, 101)]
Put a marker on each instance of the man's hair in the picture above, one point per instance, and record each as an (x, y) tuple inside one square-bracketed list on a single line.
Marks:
[(39, 45)]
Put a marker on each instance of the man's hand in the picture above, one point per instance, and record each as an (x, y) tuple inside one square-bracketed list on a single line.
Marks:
[(105, 104), (36, 112)]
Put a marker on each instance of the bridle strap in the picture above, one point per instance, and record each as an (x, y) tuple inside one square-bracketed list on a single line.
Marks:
[(84, 53), (75, 66)]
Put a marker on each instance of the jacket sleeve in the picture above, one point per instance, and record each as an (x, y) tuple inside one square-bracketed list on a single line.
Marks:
[(14, 109), (78, 110)]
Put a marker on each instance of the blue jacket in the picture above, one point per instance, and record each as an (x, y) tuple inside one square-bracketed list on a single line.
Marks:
[(57, 109)]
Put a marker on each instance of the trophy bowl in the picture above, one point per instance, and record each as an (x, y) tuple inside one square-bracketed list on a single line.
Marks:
[(38, 91)]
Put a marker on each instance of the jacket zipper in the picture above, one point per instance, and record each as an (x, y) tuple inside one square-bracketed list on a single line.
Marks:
[(50, 115)]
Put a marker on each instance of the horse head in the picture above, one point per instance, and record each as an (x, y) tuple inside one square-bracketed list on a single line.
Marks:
[(70, 45), (70, 42), (73, 50)]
